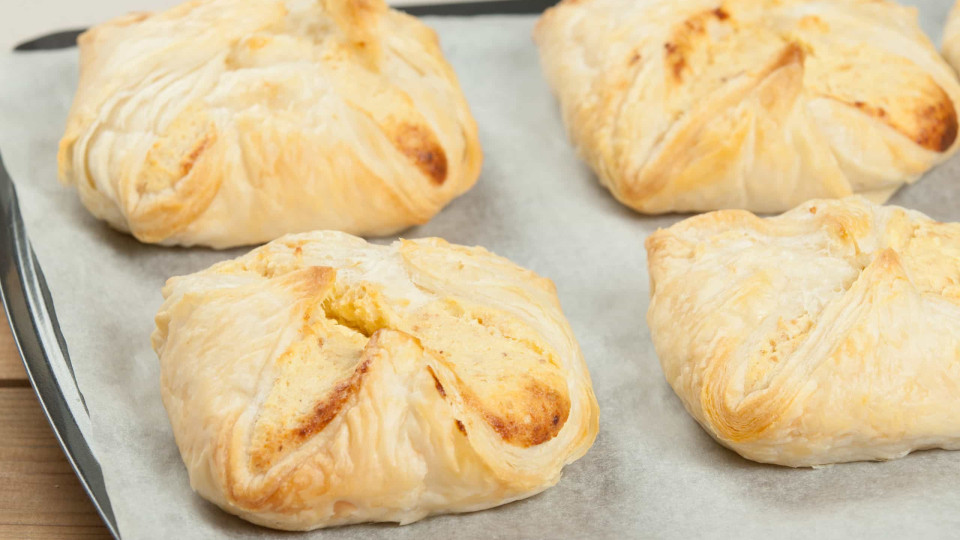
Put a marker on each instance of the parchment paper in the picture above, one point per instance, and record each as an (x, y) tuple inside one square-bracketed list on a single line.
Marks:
[(652, 472)]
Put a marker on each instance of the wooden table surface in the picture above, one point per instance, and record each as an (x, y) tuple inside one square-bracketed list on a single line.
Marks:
[(40, 495)]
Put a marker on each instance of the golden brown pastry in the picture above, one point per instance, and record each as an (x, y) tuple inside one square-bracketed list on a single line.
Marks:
[(320, 380), (828, 334), (951, 37), (231, 122), (758, 104)]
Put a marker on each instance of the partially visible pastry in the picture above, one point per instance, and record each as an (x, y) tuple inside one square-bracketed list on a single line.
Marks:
[(232, 122), (828, 334), (320, 380), (700, 105), (951, 38)]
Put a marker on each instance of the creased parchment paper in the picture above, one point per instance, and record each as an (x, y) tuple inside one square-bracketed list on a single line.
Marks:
[(652, 472)]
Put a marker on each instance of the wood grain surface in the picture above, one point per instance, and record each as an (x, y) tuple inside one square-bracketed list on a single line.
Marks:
[(40, 496)]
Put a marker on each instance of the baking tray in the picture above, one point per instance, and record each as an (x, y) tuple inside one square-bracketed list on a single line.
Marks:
[(30, 310)]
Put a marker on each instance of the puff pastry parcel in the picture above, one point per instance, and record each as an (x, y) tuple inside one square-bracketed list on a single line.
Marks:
[(699, 105), (231, 122), (321, 380), (951, 38), (828, 334)]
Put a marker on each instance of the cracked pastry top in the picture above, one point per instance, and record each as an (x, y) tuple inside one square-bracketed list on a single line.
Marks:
[(828, 334), (232, 122), (755, 104), (320, 380)]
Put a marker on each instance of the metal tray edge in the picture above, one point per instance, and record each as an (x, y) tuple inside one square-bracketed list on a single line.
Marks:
[(32, 320)]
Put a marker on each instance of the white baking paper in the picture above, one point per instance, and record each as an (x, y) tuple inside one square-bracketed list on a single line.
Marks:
[(653, 473)]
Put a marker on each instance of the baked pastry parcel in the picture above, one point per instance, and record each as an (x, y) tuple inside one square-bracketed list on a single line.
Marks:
[(828, 334), (232, 122), (951, 38), (320, 380), (755, 104)]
